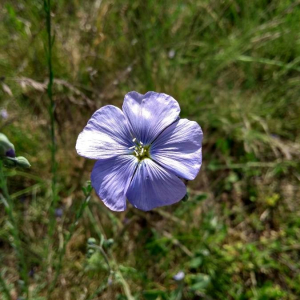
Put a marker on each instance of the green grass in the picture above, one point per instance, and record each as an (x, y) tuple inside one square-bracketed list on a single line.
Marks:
[(234, 67)]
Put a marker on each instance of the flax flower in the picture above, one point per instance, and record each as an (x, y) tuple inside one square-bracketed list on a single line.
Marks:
[(142, 152)]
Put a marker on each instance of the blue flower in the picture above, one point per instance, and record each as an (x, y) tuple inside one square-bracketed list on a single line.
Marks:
[(179, 276), (142, 152), (59, 212)]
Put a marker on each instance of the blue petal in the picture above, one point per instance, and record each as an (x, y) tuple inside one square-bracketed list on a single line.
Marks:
[(152, 186), (149, 114), (106, 135), (111, 178), (179, 149)]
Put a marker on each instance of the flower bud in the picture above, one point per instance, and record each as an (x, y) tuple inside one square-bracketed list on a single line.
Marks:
[(108, 243), (91, 241), (90, 252), (6, 147), (22, 162)]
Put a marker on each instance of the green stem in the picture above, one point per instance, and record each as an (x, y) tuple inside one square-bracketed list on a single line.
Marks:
[(47, 7), (54, 198), (8, 203), (67, 239), (100, 289), (110, 260), (100, 249)]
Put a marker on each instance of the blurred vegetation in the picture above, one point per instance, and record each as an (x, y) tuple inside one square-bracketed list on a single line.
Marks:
[(234, 67)]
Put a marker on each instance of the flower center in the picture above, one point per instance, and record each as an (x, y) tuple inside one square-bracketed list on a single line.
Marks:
[(140, 150)]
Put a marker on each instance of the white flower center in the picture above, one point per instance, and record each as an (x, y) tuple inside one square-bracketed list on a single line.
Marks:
[(140, 150)]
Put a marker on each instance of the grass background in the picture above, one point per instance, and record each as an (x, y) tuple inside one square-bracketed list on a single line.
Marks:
[(234, 66)]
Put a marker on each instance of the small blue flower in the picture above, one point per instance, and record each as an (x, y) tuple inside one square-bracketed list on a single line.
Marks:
[(3, 113), (142, 152), (59, 212), (31, 272), (179, 276)]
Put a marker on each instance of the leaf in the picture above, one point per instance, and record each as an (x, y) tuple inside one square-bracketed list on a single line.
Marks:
[(201, 282), (196, 262), (200, 197)]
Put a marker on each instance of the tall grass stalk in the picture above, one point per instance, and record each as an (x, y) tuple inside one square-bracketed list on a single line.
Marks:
[(8, 203), (53, 148), (47, 7)]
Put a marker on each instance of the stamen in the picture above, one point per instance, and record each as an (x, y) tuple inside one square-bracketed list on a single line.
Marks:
[(139, 150)]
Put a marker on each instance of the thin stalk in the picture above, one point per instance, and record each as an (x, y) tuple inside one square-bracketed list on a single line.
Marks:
[(110, 260), (54, 198), (67, 239), (47, 7), (100, 289), (8, 203)]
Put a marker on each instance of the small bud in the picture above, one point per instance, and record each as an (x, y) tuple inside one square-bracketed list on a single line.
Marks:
[(87, 189), (91, 241), (22, 162), (90, 253), (5, 145), (108, 243), (13, 162)]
